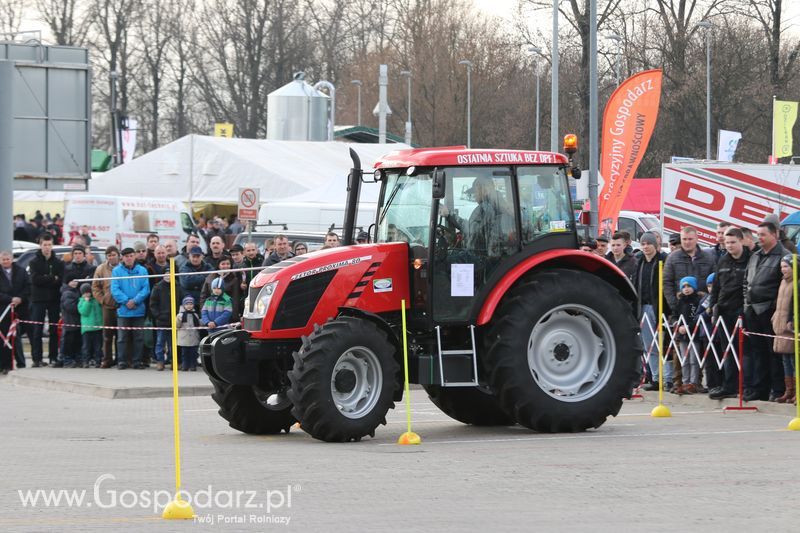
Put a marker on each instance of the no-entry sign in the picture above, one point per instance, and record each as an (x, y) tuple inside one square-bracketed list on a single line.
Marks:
[(248, 203)]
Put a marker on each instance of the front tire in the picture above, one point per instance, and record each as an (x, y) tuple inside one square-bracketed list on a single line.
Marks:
[(469, 405), (251, 410), (563, 352), (343, 381)]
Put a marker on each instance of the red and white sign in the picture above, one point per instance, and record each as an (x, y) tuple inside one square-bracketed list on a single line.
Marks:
[(248, 203), (702, 195)]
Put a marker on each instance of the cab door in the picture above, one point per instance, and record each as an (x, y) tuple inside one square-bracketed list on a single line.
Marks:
[(475, 230)]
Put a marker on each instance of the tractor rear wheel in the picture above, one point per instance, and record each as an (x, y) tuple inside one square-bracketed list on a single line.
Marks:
[(344, 379), (469, 405), (252, 410), (563, 351)]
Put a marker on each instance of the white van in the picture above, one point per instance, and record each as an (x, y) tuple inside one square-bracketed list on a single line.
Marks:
[(636, 223), (121, 221), (313, 216)]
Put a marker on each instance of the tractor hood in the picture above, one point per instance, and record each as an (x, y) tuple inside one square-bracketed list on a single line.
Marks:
[(288, 298)]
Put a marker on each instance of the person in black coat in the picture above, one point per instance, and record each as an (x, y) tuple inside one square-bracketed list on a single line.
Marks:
[(15, 290), (161, 313), (47, 274)]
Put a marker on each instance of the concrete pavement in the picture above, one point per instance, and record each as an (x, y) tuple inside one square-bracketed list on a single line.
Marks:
[(699, 470)]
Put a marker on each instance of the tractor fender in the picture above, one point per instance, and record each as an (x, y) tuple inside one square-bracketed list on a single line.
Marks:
[(383, 325), (559, 258)]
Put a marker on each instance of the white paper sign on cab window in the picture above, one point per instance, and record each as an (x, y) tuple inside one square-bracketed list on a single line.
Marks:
[(461, 280)]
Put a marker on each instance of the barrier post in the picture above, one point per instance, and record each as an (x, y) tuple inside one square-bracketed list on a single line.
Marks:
[(794, 425), (177, 508), (12, 336), (740, 357), (409, 437), (661, 410)]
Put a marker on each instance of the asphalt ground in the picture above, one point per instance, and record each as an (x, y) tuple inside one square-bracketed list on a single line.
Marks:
[(699, 470)]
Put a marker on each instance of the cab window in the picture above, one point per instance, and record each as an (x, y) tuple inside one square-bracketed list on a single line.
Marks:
[(544, 202)]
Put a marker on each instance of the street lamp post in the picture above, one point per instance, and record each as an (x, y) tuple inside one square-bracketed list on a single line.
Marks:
[(594, 148), (554, 83), (358, 85), (468, 64), (618, 56), (407, 74), (536, 52), (706, 25)]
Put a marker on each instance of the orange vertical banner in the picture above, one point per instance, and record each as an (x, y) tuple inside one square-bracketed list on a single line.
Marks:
[(628, 123)]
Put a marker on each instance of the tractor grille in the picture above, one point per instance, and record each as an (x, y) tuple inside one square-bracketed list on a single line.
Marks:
[(300, 300)]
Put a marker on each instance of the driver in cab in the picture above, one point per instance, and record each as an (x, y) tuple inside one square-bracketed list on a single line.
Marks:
[(482, 230)]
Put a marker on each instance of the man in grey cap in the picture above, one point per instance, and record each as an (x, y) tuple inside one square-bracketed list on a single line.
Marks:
[(646, 281)]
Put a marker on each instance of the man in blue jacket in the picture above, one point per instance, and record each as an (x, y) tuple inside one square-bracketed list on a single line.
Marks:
[(130, 294)]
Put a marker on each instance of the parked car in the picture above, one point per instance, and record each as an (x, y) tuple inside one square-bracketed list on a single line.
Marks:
[(314, 241), (95, 256)]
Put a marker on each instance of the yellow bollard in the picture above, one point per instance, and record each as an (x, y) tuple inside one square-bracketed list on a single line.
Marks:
[(409, 437), (177, 509), (660, 410), (794, 425)]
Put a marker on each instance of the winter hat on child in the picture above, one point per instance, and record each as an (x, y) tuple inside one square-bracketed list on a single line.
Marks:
[(86, 287), (710, 279), (187, 300), (689, 280), (218, 284)]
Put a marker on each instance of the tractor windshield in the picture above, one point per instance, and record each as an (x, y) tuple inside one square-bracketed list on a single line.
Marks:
[(406, 211)]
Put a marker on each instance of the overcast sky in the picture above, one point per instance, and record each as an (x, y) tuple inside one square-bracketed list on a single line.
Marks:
[(505, 9)]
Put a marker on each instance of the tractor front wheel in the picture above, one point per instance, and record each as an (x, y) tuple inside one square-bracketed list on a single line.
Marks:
[(253, 410), (344, 379), (563, 351)]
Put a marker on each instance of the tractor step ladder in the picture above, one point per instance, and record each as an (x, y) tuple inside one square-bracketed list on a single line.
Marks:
[(445, 355)]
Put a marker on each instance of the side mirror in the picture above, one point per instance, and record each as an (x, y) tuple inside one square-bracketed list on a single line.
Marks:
[(438, 184)]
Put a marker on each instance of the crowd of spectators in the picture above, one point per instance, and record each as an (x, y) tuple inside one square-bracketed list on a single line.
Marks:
[(83, 305), (740, 276)]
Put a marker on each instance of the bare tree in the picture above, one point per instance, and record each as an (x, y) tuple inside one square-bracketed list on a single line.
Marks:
[(11, 14), (68, 22), (769, 16), (154, 32)]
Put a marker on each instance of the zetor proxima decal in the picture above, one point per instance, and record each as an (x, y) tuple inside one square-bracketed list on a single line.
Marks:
[(332, 266)]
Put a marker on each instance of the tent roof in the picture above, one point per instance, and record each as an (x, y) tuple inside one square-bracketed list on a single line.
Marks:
[(644, 195), (211, 169)]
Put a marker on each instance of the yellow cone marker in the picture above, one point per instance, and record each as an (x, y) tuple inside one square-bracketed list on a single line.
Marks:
[(660, 410), (794, 425), (177, 509), (409, 437)]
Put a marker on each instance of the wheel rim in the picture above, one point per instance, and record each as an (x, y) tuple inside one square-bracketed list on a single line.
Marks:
[(356, 382), (272, 400), (571, 352)]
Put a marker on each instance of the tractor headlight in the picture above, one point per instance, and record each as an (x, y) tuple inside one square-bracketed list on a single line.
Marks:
[(262, 302)]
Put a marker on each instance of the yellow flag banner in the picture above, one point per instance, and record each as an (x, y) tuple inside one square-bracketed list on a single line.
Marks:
[(223, 129), (784, 115)]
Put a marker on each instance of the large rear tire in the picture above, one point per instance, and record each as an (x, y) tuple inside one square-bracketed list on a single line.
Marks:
[(344, 379), (563, 352), (469, 405), (251, 410)]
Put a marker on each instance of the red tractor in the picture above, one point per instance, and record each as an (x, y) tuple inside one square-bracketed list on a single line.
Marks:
[(508, 322)]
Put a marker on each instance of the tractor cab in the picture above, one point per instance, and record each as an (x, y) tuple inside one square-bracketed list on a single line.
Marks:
[(466, 224)]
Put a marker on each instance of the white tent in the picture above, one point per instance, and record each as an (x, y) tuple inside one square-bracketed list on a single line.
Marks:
[(204, 169)]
